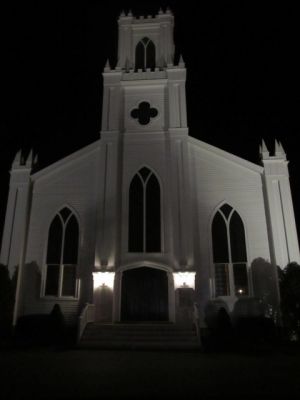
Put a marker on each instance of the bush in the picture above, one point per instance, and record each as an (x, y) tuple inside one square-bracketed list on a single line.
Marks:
[(289, 280), (41, 329), (7, 294), (255, 330), (219, 335)]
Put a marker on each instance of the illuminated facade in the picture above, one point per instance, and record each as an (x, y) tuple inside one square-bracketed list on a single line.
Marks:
[(147, 220)]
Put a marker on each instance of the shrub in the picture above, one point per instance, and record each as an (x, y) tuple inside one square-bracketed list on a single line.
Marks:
[(289, 280), (41, 329), (7, 294)]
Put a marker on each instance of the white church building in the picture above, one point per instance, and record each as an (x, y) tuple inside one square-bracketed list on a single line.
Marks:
[(147, 220)]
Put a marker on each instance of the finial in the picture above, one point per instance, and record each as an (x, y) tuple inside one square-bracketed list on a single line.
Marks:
[(29, 160), (107, 67), (122, 13), (279, 151), (130, 13), (36, 160), (181, 62), (281, 147), (17, 159), (160, 11), (264, 152), (169, 11)]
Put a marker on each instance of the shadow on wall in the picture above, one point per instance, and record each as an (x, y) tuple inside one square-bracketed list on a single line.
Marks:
[(265, 285), (32, 281)]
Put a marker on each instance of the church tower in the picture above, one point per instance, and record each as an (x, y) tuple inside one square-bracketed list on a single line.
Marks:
[(144, 152), (146, 91)]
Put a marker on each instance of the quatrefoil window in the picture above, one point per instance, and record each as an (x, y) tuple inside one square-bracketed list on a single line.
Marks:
[(144, 113)]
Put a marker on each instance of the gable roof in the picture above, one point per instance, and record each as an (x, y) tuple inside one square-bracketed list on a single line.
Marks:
[(226, 155), (66, 161)]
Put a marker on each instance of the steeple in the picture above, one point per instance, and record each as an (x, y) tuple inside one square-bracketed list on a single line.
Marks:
[(145, 91)]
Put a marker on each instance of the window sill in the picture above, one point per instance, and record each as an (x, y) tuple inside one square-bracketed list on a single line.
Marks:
[(56, 298)]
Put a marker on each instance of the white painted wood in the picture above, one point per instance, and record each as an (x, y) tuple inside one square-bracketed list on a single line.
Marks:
[(195, 178)]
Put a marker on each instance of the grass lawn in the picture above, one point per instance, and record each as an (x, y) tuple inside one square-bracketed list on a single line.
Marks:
[(76, 374)]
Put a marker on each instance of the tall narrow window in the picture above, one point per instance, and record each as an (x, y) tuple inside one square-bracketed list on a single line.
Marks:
[(229, 253), (145, 54), (144, 213), (62, 255)]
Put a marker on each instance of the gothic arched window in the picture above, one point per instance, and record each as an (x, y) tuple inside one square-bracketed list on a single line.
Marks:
[(144, 233), (145, 54), (62, 255), (229, 253)]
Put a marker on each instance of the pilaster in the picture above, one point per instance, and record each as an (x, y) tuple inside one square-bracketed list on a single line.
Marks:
[(283, 238)]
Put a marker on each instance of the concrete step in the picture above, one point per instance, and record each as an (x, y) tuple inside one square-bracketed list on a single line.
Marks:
[(165, 338), (138, 346), (138, 336)]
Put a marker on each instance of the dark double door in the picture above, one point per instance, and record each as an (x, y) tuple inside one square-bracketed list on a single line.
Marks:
[(144, 295)]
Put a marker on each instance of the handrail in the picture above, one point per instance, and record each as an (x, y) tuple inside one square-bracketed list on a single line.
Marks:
[(87, 315), (198, 321)]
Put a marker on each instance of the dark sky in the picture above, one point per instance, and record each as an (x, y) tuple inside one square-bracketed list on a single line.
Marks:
[(242, 76)]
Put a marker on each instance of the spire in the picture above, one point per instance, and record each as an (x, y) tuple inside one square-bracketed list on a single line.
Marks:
[(281, 147), (17, 159), (36, 160), (122, 13), (107, 67), (181, 62), (169, 11), (279, 151), (160, 11), (264, 152), (130, 13), (29, 160)]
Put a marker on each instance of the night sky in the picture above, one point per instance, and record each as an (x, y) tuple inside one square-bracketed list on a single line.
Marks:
[(242, 76)]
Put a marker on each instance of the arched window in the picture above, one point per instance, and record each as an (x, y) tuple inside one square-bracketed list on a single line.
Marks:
[(144, 213), (145, 54), (229, 253), (62, 255)]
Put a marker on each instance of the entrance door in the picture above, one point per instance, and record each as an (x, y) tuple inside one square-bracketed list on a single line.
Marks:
[(144, 295)]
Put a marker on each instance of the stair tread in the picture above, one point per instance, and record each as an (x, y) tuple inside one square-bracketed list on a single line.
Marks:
[(138, 336)]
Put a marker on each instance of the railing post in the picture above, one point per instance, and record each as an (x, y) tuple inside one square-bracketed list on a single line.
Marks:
[(197, 322), (87, 315)]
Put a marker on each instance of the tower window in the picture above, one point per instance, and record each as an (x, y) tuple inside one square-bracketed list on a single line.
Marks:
[(144, 213), (145, 54), (144, 113), (229, 253), (62, 255)]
